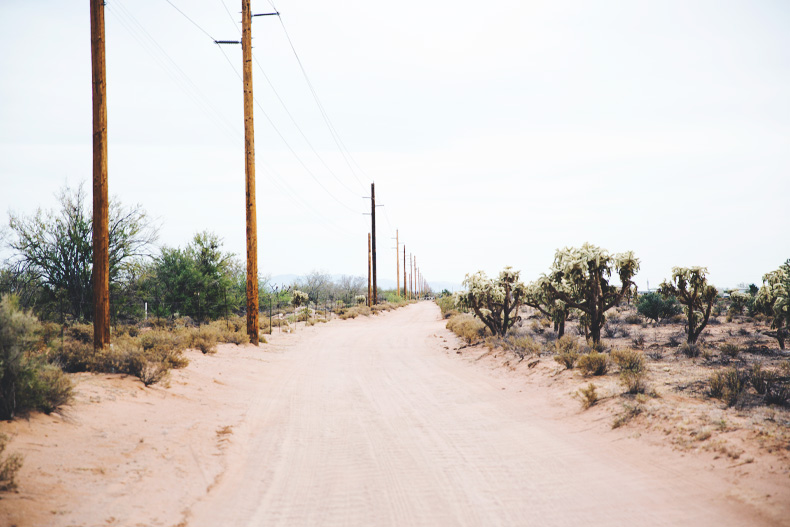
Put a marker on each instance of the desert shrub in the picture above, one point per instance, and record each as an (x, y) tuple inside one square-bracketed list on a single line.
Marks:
[(730, 350), (629, 412), (632, 319), (674, 341), (588, 395), (81, 333), (727, 385), (761, 379), (567, 349), (522, 346), (26, 382), (610, 330), (629, 360), (634, 382), (9, 466), (593, 363), (46, 390), (204, 341), (467, 327), (777, 393), (638, 341), (228, 333), (446, 305), (567, 359), (632, 369), (354, 312), (689, 350)]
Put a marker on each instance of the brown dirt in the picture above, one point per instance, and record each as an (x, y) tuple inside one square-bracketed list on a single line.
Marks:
[(371, 421)]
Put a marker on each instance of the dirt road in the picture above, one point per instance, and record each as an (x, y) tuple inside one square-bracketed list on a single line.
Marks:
[(367, 422)]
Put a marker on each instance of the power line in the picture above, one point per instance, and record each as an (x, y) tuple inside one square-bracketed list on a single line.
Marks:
[(287, 111), (288, 145), (187, 17), (333, 132)]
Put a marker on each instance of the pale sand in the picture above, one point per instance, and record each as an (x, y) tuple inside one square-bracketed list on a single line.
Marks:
[(363, 422)]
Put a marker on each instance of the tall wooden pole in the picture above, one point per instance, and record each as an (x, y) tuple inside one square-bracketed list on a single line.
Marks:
[(101, 231), (370, 297), (249, 171), (411, 274), (397, 261), (405, 293), (373, 230)]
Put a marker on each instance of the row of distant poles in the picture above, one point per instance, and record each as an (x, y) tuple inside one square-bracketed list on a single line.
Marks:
[(101, 264), (415, 286)]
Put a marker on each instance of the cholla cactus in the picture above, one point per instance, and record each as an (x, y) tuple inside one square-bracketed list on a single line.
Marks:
[(541, 298), (299, 298), (580, 277), (738, 301), (690, 286), (494, 302), (361, 299), (773, 299)]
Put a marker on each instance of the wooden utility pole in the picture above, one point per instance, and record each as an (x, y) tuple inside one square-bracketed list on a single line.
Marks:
[(369, 269), (397, 261), (101, 231), (373, 230), (405, 293), (411, 274), (249, 172)]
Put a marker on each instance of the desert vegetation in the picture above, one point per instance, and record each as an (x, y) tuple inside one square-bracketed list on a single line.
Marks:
[(164, 301), (688, 338)]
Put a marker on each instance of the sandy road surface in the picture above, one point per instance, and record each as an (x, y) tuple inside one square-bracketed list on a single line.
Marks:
[(366, 424)]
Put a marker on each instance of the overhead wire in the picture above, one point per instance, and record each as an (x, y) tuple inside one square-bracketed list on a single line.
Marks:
[(332, 130), (280, 184), (288, 145)]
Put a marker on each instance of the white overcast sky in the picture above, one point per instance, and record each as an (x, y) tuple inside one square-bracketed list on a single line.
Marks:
[(496, 132)]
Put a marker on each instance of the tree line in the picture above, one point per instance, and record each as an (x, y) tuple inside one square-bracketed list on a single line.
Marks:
[(50, 264)]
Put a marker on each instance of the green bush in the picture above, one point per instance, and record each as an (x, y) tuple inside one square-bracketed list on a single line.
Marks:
[(567, 349), (593, 363), (727, 385), (629, 360), (522, 346), (468, 327), (655, 307), (26, 382), (9, 466)]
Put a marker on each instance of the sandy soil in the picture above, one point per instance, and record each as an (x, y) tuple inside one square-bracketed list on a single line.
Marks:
[(372, 421)]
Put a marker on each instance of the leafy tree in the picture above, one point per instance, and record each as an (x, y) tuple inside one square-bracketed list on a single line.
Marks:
[(690, 286), (540, 297), (655, 307), (773, 299), (580, 277), (494, 302), (195, 280), (56, 249)]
